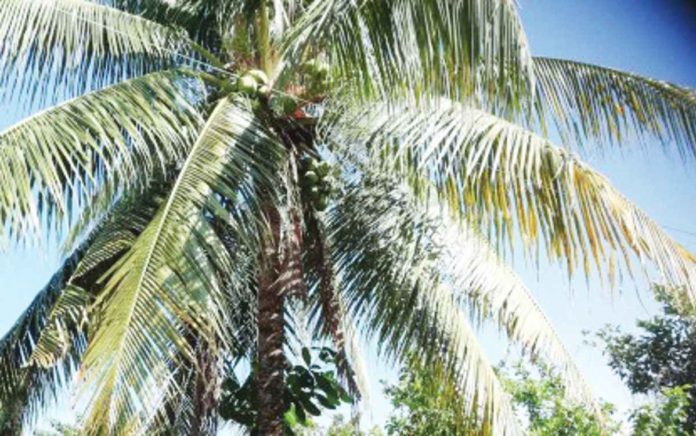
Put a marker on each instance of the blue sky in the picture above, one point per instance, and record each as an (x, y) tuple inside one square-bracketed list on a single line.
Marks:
[(656, 38)]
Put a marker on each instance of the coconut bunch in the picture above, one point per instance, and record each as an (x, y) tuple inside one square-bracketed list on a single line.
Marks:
[(318, 182), (316, 77), (255, 84)]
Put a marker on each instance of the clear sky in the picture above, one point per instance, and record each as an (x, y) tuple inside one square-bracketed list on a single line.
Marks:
[(656, 38)]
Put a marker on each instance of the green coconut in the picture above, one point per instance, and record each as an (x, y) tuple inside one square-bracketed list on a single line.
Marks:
[(311, 177), (310, 66), (323, 169), (322, 70), (247, 85), (264, 90), (321, 204), (314, 193), (313, 164), (258, 75)]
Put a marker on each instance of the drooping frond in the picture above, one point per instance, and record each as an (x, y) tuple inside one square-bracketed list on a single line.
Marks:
[(389, 278), (508, 179), (423, 47), (68, 313), (167, 283), (49, 47), (590, 102), (119, 134), (40, 353), (326, 311), (482, 282), (205, 21), (28, 389), (494, 290)]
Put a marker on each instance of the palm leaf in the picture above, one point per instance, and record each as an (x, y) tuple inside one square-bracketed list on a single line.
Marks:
[(481, 281), (507, 179), (203, 20), (52, 46), (166, 284), (40, 353), (31, 388), (116, 135), (424, 47), (591, 102), (392, 287), (494, 290), (67, 317)]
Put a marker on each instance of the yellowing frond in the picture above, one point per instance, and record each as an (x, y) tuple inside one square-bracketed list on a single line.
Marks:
[(501, 175)]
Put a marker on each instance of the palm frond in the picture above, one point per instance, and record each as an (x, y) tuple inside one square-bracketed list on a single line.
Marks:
[(479, 280), (494, 290), (120, 134), (40, 353), (507, 179), (205, 21), (68, 313), (326, 311), (390, 281), (52, 47), (591, 102), (429, 47), (29, 388), (167, 283)]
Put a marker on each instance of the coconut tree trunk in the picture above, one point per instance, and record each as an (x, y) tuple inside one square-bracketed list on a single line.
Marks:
[(206, 392), (270, 382)]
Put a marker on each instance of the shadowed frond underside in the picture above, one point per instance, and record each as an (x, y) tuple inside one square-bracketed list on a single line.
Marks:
[(167, 283)]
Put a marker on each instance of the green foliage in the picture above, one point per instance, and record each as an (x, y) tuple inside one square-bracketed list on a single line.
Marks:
[(339, 427), (311, 386), (661, 358), (669, 415), (542, 399), (425, 403)]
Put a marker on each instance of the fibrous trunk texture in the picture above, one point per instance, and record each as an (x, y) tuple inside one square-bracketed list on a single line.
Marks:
[(270, 382), (206, 391)]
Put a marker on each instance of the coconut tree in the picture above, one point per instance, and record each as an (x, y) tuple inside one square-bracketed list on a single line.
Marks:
[(219, 168)]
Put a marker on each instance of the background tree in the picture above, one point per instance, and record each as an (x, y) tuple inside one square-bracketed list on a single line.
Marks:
[(425, 404), (660, 357), (541, 397), (237, 163), (670, 414)]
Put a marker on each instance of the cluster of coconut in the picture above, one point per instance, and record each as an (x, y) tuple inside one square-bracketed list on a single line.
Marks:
[(317, 79), (254, 83), (318, 183)]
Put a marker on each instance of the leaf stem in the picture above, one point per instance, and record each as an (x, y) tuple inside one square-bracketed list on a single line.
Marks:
[(264, 38)]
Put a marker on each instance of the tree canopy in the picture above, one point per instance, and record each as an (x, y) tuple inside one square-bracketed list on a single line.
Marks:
[(227, 173)]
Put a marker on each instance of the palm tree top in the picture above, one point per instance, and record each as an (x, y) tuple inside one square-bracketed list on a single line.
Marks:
[(358, 158)]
